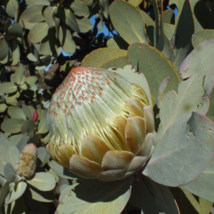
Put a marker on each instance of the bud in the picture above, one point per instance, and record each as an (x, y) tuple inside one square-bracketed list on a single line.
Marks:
[(26, 165), (35, 116)]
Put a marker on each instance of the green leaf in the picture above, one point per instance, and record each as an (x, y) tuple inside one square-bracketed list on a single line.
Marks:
[(95, 196), (12, 100), (38, 32), (167, 48), (202, 35), (27, 111), (10, 173), (152, 197), (201, 205), (15, 52), (117, 42), (62, 185), (169, 31), (179, 3), (22, 143), (102, 55), (47, 46), (42, 181), (66, 40), (49, 13), (3, 107), (4, 49), (203, 186), (203, 54), (16, 191), (11, 8), (15, 139), (123, 16), (4, 158), (118, 62), (79, 8), (31, 80), (205, 21), (32, 58), (16, 207), (105, 6), (148, 20), (19, 74), (42, 155), (12, 125), (67, 190), (186, 141), (16, 112), (14, 32), (35, 139), (37, 195), (43, 125), (159, 24), (7, 25), (143, 57), (33, 14), (39, 2), (183, 32), (69, 19), (3, 193), (168, 16), (84, 25), (61, 171), (28, 127), (14, 155)]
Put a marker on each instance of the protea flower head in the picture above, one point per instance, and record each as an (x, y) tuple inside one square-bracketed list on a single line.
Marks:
[(101, 125)]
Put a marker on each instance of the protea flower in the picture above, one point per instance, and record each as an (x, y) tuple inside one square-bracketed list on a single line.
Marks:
[(101, 125)]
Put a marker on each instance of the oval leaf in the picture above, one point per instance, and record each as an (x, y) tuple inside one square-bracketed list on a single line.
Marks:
[(105, 197), (102, 55), (16, 112), (43, 181), (38, 32), (16, 191), (182, 145), (33, 14), (12, 125), (123, 16)]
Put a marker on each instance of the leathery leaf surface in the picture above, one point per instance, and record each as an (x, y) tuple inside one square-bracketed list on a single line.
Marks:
[(94, 196)]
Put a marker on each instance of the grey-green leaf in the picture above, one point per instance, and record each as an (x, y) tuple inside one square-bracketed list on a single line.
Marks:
[(14, 31), (69, 19), (12, 125), (152, 197), (42, 155), (79, 8), (84, 25), (33, 14), (175, 152), (16, 112), (43, 125), (10, 173), (49, 13), (43, 181), (28, 127), (4, 49), (124, 16), (105, 197), (8, 87), (14, 156), (38, 32), (16, 191)]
